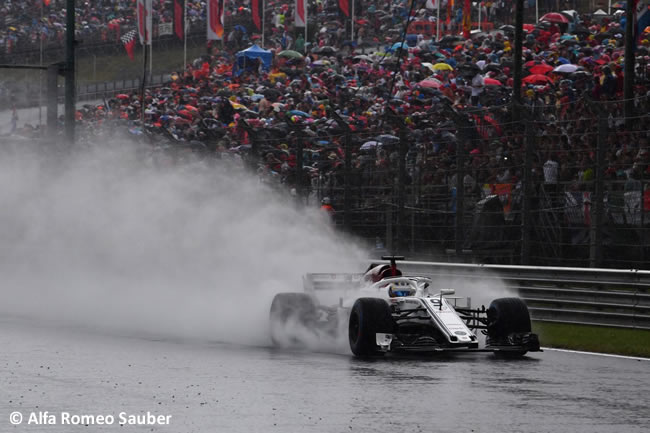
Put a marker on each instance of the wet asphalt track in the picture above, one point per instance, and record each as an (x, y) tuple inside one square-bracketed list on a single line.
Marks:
[(210, 387)]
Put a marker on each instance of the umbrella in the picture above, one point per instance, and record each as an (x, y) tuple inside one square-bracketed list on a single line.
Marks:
[(492, 67), (430, 83), (537, 79), (388, 138), (442, 67), (321, 63), (368, 145), (271, 94), (362, 57), (507, 28), (491, 82), (290, 54), (326, 50), (542, 68), (555, 17), (566, 69), (581, 30), (122, 96), (428, 65), (398, 45), (298, 113)]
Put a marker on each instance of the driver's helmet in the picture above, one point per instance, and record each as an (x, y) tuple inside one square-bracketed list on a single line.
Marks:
[(395, 291), (326, 201)]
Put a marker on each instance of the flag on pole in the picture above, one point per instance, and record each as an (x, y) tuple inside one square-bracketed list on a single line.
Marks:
[(344, 5), (467, 19), (301, 13), (257, 9), (179, 19), (215, 19), (450, 9), (144, 21), (128, 39)]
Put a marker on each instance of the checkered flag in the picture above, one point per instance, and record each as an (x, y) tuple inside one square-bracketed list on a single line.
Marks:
[(128, 39)]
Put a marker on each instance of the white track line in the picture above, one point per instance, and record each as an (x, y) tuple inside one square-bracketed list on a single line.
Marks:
[(609, 355)]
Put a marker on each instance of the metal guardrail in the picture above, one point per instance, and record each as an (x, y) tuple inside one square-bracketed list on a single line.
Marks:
[(94, 91), (600, 297)]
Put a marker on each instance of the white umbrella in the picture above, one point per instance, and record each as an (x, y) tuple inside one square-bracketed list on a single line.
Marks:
[(566, 69), (368, 145)]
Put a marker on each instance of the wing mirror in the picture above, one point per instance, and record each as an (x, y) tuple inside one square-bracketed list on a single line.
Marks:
[(445, 292)]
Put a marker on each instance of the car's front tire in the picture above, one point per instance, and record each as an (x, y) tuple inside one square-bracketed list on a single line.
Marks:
[(507, 317), (368, 317)]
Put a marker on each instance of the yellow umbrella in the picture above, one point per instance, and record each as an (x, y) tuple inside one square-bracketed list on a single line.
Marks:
[(442, 67)]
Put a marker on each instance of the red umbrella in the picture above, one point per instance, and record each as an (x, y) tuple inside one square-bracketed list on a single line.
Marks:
[(537, 79), (529, 27), (555, 17), (431, 83), (122, 96), (491, 82), (541, 68), (185, 113)]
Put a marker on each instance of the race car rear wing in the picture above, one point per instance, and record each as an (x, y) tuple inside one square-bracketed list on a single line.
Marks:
[(320, 281)]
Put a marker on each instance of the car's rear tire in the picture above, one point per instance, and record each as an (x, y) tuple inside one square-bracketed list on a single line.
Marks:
[(299, 307), (368, 317), (507, 316)]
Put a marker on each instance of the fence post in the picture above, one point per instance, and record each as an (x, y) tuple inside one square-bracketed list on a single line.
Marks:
[(347, 180), (460, 196), (596, 229), (389, 229), (527, 190), (299, 166), (347, 174), (401, 199), (52, 97)]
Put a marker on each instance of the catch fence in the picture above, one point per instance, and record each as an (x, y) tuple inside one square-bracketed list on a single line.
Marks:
[(565, 186)]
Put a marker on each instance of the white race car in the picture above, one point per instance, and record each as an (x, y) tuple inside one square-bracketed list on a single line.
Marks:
[(386, 311)]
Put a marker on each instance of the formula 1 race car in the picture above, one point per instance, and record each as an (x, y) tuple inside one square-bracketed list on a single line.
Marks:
[(388, 312)]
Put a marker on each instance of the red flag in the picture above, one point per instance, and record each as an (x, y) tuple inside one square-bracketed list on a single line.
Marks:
[(257, 9), (301, 13), (129, 42), (144, 8), (179, 18), (467, 19), (46, 2), (215, 19), (344, 5), (450, 7)]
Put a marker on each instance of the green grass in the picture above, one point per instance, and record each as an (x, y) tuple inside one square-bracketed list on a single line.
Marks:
[(620, 341), (111, 68)]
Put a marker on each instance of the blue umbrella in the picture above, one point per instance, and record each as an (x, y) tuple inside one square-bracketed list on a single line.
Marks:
[(397, 45), (240, 28), (563, 60), (298, 113)]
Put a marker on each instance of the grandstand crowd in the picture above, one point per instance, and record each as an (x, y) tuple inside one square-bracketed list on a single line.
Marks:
[(436, 96)]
